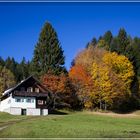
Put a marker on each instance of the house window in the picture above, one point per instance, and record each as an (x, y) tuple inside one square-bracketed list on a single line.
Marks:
[(17, 100), (40, 102), (28, 100), (29, 89), (22, 89), (37, 90)]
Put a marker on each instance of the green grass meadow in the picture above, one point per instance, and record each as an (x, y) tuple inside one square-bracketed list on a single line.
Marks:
[(72, 125), (6, 118)]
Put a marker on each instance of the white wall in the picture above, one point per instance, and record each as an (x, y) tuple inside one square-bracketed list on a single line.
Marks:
[(45, 111), (11, 102), (23, 104), (6, 110), (33, 111), (15, 111), (11, 106), (5, 104)]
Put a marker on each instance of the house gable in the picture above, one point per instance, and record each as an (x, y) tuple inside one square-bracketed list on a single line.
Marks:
[(29, 87)]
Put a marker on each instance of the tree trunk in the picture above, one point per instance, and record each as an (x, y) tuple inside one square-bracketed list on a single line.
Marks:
[(100, 104), (54, 103), (105, 106), (54, 100)]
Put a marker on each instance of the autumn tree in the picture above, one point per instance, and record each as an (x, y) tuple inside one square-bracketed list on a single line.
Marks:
[(7, 79), (102, 85), (102, 79), (61, 88), (112, 78), (124, 44), (82, 83), (87, 56), (121, 66), (81, 75)]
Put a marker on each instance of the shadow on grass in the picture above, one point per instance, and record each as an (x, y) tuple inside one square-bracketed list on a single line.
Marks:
[(57, 112), (124, 111)]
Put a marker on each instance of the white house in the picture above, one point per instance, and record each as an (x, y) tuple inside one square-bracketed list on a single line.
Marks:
[(27, 98)]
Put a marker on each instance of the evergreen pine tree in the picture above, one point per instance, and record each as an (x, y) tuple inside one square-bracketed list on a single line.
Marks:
[(123, 40), (108, 37), (94, 41), (100, 38), (73, 63), (2, 62), (10, 64), (48, 54), (24, 69), (136, 55), (87, 45)]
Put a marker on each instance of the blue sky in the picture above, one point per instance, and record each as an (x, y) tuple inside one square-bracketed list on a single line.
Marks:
[(75, 23)]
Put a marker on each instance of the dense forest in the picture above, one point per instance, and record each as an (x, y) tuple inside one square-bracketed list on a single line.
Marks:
[(104, 75)]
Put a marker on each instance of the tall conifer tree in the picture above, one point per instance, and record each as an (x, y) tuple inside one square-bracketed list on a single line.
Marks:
[(123, 41), (48, 54), (108, 37)]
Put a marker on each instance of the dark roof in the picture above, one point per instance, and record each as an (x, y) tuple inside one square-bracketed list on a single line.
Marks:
[(31, 94), (31, 78)]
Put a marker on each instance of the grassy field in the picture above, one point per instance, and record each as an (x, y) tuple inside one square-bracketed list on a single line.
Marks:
[(79, 124), (6, 118)]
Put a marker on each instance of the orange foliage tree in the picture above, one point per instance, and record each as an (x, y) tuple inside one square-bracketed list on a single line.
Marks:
[(61, 88), (82, 83)]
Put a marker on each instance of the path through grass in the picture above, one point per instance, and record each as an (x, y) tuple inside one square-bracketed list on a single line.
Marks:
[(6, 118)]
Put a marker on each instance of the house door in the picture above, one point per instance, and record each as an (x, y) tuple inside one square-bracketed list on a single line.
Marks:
[(41, 111), (23, 111)]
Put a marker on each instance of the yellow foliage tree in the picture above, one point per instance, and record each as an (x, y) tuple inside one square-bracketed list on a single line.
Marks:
[(121, 66), (111, 79), (7, 79)]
